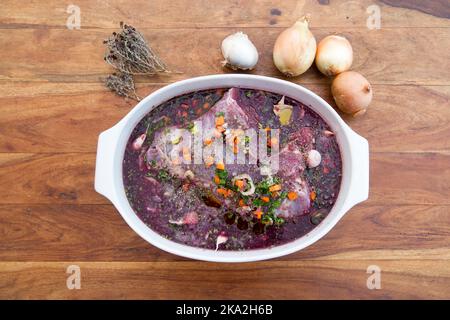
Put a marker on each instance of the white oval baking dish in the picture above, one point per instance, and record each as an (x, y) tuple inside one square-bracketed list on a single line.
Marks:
[(354, 152)]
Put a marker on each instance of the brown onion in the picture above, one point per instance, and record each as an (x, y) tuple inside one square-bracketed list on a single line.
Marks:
[(334, 55), (295, 49), (352, 92)]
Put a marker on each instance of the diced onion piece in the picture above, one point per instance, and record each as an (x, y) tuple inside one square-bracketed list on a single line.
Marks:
[(251, 189)]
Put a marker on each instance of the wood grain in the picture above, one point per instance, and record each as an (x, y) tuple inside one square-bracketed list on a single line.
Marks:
[(414, 232), (216, 13), (438, 8), (76, 56), (37, 117), (186, 280), (53, 106)]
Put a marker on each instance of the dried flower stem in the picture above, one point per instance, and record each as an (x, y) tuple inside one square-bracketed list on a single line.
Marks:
[(128, 52), (122, 84)]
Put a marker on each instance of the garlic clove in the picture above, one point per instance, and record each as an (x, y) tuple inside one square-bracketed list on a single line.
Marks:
[(137, 144), (328, 133), (314, 158), (189, 218), (221, 238), (239, 52)]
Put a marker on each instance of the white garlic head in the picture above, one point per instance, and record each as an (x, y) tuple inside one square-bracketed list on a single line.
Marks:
[(239, 52), (313, 159)]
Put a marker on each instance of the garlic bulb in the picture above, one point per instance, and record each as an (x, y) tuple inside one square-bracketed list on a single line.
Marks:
[(334, 55), (239, 52), (295, 49)]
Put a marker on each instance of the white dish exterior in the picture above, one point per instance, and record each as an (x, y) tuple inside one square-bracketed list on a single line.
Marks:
[(354, 152)]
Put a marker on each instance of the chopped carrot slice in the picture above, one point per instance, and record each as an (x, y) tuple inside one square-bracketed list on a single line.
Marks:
[(265, 199), (216, 179), (292, 195), (224, 192), (209, 161), (220, 120), (273, 141), (206, 105), (258, 213), (275, 187), (207, 142), (241, 203), (239, 184), (186, 154), (235, 149), (220, 166), (313, 195)]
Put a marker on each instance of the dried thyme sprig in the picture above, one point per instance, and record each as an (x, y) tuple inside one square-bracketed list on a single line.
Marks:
[(122, 84), (128, 52)]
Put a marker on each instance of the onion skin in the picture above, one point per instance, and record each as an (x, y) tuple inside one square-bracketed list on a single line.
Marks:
[(295, 49), (334, 55), (352, 93)]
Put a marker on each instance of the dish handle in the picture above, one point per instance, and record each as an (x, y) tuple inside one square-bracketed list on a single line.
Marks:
[(104, 164), (359, 181)]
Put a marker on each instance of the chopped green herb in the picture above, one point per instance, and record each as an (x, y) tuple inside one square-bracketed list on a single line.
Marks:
[(163, 175), (279, 220), (257, 202), (263, 186), (266, 219), (222, 174)]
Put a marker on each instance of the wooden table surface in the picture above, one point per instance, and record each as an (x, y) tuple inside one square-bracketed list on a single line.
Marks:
[(54, 105)]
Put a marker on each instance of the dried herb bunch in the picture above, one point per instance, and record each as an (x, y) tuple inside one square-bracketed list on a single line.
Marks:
[(128, 52), (122, 84)]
